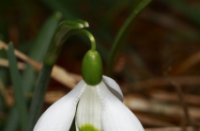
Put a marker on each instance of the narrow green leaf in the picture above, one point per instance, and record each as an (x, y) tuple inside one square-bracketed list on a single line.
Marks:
[(39, 49), (20, 101), (122, 32), (38, 95), (44, 37), (29, 76), (12, 121)]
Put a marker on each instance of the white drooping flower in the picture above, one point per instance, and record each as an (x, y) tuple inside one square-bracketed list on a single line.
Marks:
[(92, 108), (95, 103)]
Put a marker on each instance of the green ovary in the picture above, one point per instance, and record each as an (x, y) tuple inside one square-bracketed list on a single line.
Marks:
[(88, 127)]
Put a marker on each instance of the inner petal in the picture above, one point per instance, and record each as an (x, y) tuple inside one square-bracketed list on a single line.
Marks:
[(88, 116)]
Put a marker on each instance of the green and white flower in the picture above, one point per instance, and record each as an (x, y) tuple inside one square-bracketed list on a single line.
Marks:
[(95, 104), (94, 108)]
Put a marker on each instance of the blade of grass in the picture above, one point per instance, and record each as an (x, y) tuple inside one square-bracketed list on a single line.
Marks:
[(44, 37), (38, 95), (20, 101), (39, 49), (122, 32), (13, 120)]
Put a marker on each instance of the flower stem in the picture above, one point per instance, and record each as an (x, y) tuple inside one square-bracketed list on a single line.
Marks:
[(122, 32), (63, 32)]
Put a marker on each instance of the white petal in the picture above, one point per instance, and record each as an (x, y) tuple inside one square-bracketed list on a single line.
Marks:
[(115, 115), (113, 87), (89, 109), (60, 115)]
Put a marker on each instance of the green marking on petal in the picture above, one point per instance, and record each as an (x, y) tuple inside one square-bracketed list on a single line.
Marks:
[(88, 127)]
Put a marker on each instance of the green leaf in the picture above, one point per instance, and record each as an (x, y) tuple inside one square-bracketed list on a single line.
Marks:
[(44, 37), (20, 101), (38, 96), (39, 49), (12, 121), (122, 32)]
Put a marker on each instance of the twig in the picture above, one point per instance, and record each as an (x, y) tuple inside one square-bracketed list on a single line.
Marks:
[(152, 120), (22, 56), (186, 121), (58, 73), (5, 63), (186, 64), (169, 129), (158, 108), (162, 82), (172, 97)]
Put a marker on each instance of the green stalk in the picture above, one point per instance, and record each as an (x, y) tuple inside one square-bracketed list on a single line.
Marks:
[(13, 120), (20, 101), (122, 32), (63, 32)]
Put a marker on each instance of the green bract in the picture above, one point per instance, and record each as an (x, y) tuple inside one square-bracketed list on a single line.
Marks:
[(92, 67)]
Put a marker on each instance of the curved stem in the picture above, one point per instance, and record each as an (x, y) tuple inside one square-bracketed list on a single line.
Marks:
[(122, 32), (63, 32), (91, 38)]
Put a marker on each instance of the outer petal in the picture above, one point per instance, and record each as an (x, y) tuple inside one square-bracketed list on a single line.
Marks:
[(60, 115), (115, 115), (113, 87)]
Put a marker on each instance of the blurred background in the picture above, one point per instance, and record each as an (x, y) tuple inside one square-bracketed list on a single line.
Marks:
[(157, 67)]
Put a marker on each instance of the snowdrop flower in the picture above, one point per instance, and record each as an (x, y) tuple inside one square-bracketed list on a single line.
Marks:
[(95, 104)]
